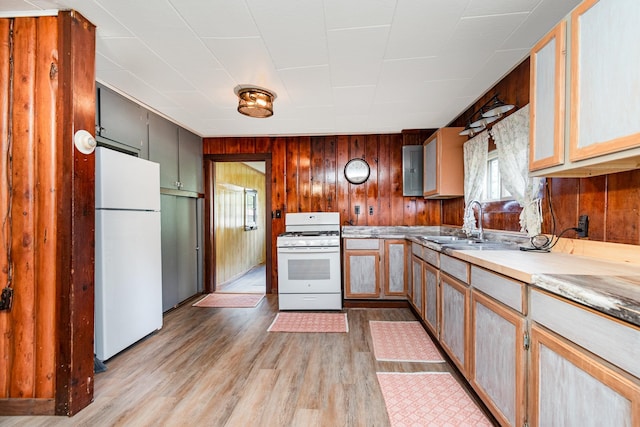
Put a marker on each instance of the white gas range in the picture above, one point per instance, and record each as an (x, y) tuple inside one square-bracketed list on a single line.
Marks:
[(309, 275)]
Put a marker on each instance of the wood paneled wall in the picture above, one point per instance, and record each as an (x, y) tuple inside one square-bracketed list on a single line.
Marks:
[(237, 250), (47, 214), (611, 201), (307, 175)]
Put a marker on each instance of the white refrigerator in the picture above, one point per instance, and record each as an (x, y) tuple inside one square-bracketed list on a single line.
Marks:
[(128, 264)]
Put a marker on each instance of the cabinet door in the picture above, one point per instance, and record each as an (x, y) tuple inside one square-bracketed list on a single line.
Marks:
[(418, 285), (497, 359), (190, 161), (169, 252), (571, 388), (444, 164), (431, 278), (163, 149), (122, 121), (187, 245), (454, 329), (604, 101), (547, 105), (430, 164), (362, 274), (180, 266), (395, 252)]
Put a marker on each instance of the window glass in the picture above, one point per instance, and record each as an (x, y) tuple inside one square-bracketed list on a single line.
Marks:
[(494, 188)]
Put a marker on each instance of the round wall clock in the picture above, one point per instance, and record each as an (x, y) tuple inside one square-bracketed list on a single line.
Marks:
[(357, 171)]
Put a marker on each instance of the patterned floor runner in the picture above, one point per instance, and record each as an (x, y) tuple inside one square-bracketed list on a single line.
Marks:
[(229, 300), (309, 322), (402, 342), (428, 399)]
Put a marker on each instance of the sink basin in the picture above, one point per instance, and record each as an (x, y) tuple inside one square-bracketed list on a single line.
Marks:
[(445, 239), (470, 245)]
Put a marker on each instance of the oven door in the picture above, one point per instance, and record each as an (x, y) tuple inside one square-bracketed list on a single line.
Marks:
[(309, 270)]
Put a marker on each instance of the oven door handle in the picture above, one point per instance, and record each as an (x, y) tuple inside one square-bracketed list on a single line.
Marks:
[(309, 250)]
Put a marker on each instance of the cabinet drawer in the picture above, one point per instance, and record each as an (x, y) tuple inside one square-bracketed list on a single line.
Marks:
[(454, 267), (417, 249), (615, 342), (431, 256), (366, 244), (507, 291)]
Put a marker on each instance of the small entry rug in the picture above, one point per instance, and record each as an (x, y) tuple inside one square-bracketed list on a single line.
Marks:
[(230, 300), (402, 342), (310, 322), (428, 399)]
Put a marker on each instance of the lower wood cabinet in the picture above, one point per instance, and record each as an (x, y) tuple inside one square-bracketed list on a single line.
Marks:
[(395, 268), (375, 269), (454, 321), (497, 358), (417, 285), (362, 268), (431, 306), (569, 387), (584, 367)]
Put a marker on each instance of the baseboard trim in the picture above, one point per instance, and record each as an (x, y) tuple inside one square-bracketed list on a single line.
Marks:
[(27, 407)]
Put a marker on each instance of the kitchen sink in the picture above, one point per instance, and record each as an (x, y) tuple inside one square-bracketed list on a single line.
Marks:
[(466, 243), (445, 239), (470, 245)]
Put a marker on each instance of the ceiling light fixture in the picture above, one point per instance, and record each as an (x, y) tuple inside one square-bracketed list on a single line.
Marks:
[(254, 101), (496, 108), (490, 112)]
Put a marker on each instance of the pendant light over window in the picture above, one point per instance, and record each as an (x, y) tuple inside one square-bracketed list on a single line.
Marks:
[(490, 112), (496, 108), (255, 101)]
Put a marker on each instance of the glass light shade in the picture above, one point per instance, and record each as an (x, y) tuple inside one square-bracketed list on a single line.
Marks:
[(471, 130), (255, 102), (497, 108), (483, 122)]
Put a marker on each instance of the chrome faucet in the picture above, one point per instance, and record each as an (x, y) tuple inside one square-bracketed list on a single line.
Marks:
[(480, 229)]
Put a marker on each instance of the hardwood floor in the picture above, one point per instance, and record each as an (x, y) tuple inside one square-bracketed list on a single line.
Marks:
[(253, 281), (220, 367)]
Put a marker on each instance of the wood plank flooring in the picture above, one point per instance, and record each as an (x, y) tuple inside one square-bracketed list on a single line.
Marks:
[(220, 367)]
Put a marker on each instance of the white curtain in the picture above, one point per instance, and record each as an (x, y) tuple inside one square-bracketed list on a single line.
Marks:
[(512, 140), (475, 167)]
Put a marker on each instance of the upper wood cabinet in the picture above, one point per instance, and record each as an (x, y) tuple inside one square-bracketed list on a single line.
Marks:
[(444, 164), (547, 105), (602, 132)]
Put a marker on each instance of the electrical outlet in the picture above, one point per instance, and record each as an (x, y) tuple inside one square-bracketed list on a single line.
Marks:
[(583, 226), (370, 210), (357, 209)]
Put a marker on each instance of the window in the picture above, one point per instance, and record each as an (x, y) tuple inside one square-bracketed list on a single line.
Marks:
[(493, 187), (250, 209)]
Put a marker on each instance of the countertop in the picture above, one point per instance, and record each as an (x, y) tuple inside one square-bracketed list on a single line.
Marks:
[(606, 286)]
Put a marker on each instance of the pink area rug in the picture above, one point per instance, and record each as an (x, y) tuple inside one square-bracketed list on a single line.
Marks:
[(428, 399), (402, 342), (310, 322), (230, 300)]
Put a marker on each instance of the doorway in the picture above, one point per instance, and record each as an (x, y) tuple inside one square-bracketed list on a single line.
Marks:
[(238, 215)]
